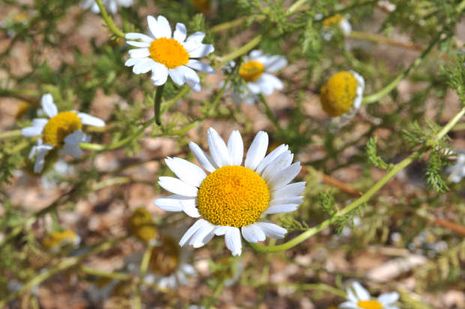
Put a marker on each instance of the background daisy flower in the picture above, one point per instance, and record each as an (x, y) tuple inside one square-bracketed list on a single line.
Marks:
[(342, 93), (169, 53), (330, 24), (359, 298), (256, 71), (232, 195), (111, 5), (61, 131), (59, 239)]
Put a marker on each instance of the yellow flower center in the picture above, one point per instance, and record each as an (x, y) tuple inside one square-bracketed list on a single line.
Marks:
[(59, 127), (333, 20), (60, 238), (233, 196), (169, 52), (369, 304), (251, 70), (141, 225), (339, 93), (165, 257)]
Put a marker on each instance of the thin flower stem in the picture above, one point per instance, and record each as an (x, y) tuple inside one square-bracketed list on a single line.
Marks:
[(269, 112), (157, 104), (360, 201), (110, 275), (393, 84), (108, 20), (379, 39), (10, 134), (241, 51)]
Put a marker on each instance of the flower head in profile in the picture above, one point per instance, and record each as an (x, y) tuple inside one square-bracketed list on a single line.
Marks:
[(359, 298), (166, 53), (334, 23), (142, 226), (457, 171), (61, 131), (168, 267), (59, 239), (111, 5), (342, 93), (230, 195), (256, 71)]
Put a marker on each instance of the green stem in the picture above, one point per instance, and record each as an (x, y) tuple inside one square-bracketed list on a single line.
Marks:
[(108, 20), (241, 51), (393, 84), (363, 199), (157, 105), (269, 112), (10, 134), (105, 274)]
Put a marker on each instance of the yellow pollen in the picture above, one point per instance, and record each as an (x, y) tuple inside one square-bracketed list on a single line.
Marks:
[(59, 127), (165, 257), (333, 20), (338, 94), (251, 70), (369, 304), (169, 52), (233, 196)]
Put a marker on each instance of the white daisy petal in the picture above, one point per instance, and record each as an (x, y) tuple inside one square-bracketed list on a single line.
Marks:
[(177, 75), (143, 66), (191, 78), (48, 105), (169, 204), (348, 305), (388, 298), (91, 120), (360, 291), (177, 186), (180, 32), (200, 66), (218, 150), (153, 27), (201, 157), (257, 150), (272, 230), (271, 157), (292, 189), (254, 54), (192, 230), (138, 36), (202, 234), (196, 37), (164, 28), (177, 203), (186, 171), (270, 83), (132, 61), (201, 50), (138, 44), (232, 239), (159, 74), (281, 208), (72, 144), (287, 200), (235, 148), (275, 63), (253, 233), (39, 122), (139, 52), (31, 131), (40, 153), (285, 176)]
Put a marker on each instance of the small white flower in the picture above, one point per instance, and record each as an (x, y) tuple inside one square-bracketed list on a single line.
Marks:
[(111, 5), (359, 298), (61, 131), (229, 195), (330, 23), (457, 171), (257, 70), (169, 53)]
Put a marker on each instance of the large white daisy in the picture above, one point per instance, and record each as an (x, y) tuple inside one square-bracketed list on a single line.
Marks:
[(359, 298), (63, 131), (111, 5), (229, 196), (169, 53), (257, 70)]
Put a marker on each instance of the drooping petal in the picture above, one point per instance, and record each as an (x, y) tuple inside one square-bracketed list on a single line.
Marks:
[(191, 78), (272, 230), (177, 186), (201, 157), (232, 239), (143, 66), (72, 144), (177, 75), (159, 74), (48, 105), (253, 233), (192, 230), (91, 120), (218, 150), (257, 150), (40, 153), (186, 171), (200, 66), (202, 236), (236, 147)]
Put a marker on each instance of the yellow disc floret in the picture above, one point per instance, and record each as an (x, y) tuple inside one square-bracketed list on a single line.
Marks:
[(233, 196), (338, 94), (169, 52), (141, 225), (332, 20), (369, 304), (59, 127), (251, 70), (58, 239), (165, 257)]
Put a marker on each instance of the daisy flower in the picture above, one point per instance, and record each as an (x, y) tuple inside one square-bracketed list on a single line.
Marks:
[(59, 239), (257, 72), (332, 23), (230, 195), (111, 5), (457, 171), (167, 266), (142, 226), (359, 298), (62, 130), (169, 53), (342, 93)]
